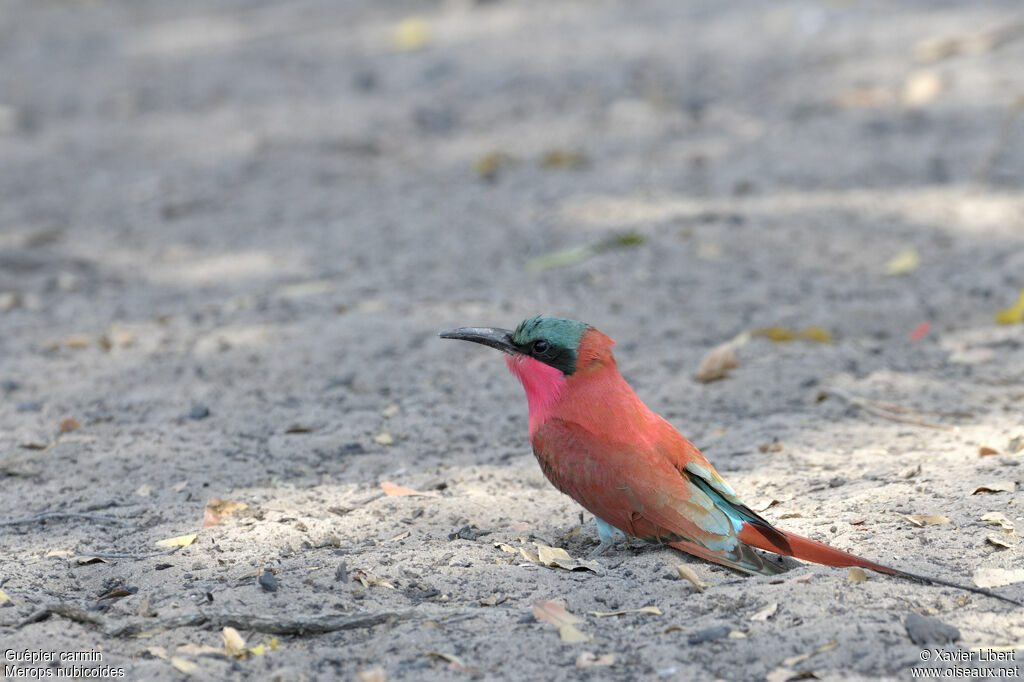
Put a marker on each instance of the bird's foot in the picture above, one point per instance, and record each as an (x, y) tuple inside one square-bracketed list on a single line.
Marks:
[(601, 549)]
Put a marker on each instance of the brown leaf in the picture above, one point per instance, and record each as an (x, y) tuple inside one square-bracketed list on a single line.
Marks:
[(766, 613), (563, 158), (69, 424), (78, 341), (392, 490), (588, 658), (553, 612), (556, 557), (996, 487), (857, 575), (116, 593), (921, 520), (365, 578), (985, 451), (87, 560), (298, 428), (217, 510), (689, 574), (454, 662), (858, 522), (779, 334)]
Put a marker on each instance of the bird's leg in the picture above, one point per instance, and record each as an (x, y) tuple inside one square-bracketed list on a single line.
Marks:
[(608, 534)]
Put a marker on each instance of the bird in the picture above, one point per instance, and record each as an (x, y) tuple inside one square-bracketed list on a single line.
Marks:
[(597, 442)]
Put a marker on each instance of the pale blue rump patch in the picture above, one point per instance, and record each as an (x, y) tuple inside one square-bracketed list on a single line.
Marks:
[(607, 532)]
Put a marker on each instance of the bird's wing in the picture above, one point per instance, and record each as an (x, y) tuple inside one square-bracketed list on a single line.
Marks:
[(642, 492)]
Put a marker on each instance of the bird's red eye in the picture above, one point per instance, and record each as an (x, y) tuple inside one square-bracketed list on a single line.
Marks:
[(541, 346)]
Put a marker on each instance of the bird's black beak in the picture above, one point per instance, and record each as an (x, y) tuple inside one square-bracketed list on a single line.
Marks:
[(495, 338)]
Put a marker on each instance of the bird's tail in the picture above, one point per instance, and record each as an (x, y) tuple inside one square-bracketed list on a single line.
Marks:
[(772, 539)]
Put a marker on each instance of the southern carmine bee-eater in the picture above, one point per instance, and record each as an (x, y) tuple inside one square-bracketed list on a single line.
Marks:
[(599, 444)]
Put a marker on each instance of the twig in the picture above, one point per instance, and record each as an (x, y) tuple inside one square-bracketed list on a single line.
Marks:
[(891, 412), (307, 625), (65, 515)]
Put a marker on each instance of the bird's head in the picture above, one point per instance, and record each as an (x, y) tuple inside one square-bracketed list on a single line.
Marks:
[(550, 341)]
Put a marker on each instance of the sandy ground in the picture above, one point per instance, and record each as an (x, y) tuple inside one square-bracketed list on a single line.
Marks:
[(230, 233)]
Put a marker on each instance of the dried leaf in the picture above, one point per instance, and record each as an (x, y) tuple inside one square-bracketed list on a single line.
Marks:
[(997, 519), (903, 263), (996, 487), (588, 659), (179, 541), (921, 520), (646, 609), (717, 363), (78, 341), (4, 598), (157, 652), (1002, 541), (765, 613), (389, 411), (553, 612), (454, 662), (218, 510), (144, 490), (505, 547), (689, 574), (489, 165), (412, 33), (400, 536), (178, 487), (69, 424), (563, 158), (183, 666), (87, 560), (780, 334), (200, 650), (384, 438), (985, 451), (921, 88), (556, 557), (298, 428), (1016, 445), (234, 643), (857, 575), (1014, 314), (365, 578), (58, 552), (392, 490), (997, 577)]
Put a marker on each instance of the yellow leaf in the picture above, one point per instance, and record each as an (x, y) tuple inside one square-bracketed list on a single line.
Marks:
[(549, 555), (490, 164), (69, 424), (903, 263), (780, 334), (4, 598), (688, 573), (412, 33), (180, 541), (997, 519), (646, 609), (384, 438), (258, 650), (181, 665), (234, 643), (1014, 314), (563, 158), (58, 552), (857, 575)]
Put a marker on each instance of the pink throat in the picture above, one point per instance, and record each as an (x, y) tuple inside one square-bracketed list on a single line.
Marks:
[(543, 384)]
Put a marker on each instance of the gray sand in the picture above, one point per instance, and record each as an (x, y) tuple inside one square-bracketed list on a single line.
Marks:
[(222, 222)]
